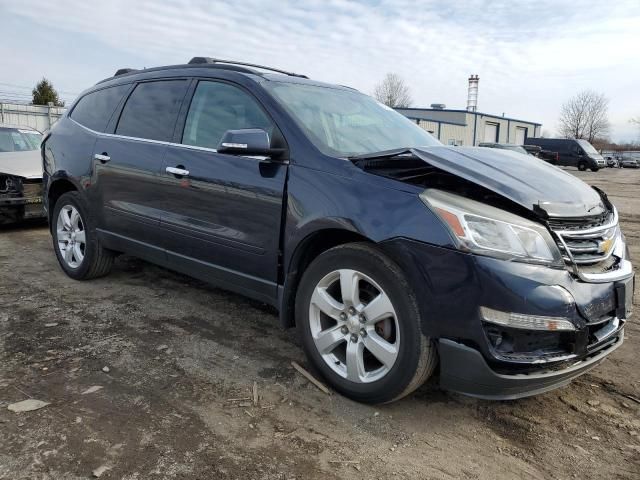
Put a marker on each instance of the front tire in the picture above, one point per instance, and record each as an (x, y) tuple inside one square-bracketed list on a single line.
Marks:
[(75, 240), (360, 327)]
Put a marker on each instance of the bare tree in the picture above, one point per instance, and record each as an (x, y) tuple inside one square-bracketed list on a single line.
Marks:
[(393, 92), (585, 116)]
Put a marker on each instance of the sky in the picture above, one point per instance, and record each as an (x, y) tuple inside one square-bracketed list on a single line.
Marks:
[(531, 56)]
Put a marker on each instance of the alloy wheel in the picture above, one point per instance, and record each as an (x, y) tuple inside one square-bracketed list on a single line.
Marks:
[(354, 326), (71, 236)]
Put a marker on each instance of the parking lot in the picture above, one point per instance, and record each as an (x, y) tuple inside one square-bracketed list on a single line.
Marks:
[(177, 400)]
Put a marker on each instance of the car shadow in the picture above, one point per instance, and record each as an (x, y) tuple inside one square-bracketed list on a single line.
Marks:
[(31, 224)]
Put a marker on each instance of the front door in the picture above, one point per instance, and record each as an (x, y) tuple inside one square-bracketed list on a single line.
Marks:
[(222, 219), (571, 154)]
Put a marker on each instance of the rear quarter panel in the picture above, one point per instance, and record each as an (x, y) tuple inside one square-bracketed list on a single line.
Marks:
[(67, 155)]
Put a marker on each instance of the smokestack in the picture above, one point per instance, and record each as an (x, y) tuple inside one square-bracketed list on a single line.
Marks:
[(472, 99)]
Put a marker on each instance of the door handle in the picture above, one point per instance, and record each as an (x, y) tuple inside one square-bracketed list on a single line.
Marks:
[(103, 157), (177, 171)]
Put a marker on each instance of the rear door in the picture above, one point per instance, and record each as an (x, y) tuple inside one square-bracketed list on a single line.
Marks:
[(129, 164), (222, 220)]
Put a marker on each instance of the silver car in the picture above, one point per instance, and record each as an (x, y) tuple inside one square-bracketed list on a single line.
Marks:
[(629, 163), (20, 174)]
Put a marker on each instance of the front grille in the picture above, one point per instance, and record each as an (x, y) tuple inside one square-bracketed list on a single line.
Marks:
[(587, 241), (580, 223)]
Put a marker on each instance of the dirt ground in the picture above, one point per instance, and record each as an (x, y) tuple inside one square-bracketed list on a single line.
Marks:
[(182, 359)]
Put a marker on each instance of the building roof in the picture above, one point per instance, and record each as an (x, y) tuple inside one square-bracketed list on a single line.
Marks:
[(437, 110)]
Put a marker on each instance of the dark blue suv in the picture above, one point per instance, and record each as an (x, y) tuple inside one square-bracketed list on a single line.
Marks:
[(391, 253)]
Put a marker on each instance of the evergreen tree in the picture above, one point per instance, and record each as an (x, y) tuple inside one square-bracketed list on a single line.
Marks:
[(45, 93)]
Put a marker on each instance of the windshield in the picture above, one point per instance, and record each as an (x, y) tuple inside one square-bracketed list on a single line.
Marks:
[(588, 148), (19, 140), (345, 123)]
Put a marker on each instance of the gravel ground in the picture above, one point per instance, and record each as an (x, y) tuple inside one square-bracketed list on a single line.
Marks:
[(182, 358)]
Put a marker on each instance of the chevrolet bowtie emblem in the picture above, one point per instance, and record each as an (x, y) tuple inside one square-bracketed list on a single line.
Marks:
[(605, 245)]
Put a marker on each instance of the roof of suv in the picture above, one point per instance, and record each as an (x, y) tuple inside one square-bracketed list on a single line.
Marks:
[(242, 68), (208, 62)]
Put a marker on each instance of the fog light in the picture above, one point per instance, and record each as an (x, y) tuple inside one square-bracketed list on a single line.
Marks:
[(526, 322)]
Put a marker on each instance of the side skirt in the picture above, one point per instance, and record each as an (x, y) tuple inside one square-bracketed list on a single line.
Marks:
[(221, 277)]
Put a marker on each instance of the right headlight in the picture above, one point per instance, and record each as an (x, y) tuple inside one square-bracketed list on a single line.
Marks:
[(487, 230)]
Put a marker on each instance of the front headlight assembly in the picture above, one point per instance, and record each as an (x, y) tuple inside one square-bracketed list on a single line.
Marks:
[(486, 230)]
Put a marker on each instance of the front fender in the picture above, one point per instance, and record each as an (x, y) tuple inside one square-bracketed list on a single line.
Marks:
[(347, 208), (371, 206)]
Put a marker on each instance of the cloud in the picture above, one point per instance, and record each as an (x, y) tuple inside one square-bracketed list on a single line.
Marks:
[(530, 56)]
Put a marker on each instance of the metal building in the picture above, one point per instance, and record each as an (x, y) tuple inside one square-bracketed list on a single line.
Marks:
[(462, 127), (470, 127)]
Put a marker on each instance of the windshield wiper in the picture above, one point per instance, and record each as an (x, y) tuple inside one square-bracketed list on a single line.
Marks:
[(382, 154)]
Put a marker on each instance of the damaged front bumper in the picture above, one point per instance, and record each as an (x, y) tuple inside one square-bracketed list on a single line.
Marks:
[(20, 199), (464, 370), (497, 361)]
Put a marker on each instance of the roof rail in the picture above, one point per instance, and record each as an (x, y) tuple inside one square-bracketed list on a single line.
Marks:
[(122, 71), (209, 60)]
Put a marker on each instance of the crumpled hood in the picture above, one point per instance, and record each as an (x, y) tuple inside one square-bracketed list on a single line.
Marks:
[(21, 164), (523, 179)]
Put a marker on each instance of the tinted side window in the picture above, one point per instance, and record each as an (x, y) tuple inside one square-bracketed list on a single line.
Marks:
[(152, 109), (217, 107), (95, 109)]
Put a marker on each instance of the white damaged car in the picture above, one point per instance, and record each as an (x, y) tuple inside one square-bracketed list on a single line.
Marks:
[(20, 174)]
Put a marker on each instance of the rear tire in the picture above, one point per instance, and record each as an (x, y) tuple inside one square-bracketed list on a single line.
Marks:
[(370, 346), (75, 240), (582, 166)]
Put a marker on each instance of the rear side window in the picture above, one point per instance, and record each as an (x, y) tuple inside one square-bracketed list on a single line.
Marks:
[(95, 109), (217, 107), (152, 110)]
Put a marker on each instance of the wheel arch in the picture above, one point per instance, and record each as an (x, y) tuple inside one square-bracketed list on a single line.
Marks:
[(56, 189), (309, 248)]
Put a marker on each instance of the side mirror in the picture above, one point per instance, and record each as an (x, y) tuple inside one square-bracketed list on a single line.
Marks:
[(248, 141)]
